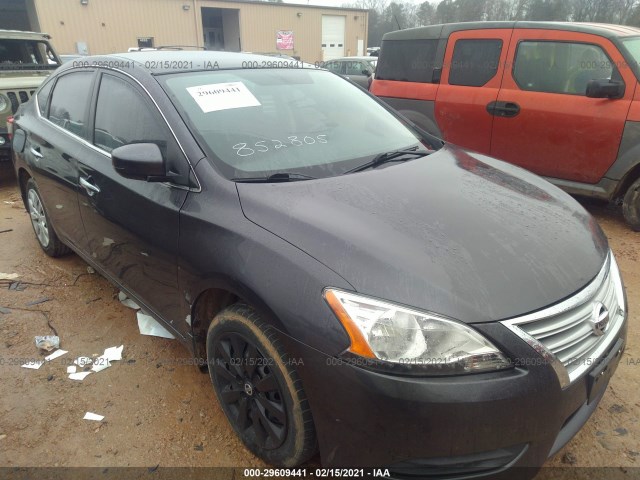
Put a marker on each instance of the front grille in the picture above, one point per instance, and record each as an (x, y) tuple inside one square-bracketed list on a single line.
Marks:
[(17, 97), (566, 331)]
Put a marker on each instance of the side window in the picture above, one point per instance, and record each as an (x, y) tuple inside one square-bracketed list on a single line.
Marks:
[(560, 67), (355, 68), (43, 97), (407, 60), (124, 116), (69, 102), (335, 67), (474, 62)]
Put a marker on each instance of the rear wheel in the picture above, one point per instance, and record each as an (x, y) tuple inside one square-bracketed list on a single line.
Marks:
[(631, 206), (45, 234), (258, 388)]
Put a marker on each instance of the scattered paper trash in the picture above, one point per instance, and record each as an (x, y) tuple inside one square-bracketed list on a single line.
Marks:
[(48, 342), (100, 363), (91, 270), (127, 302), (71, 369), (93, 416), (148, 326), (9, 276), (54, 355), (113, 353), (33, 364), (79, 376), (83, 361)]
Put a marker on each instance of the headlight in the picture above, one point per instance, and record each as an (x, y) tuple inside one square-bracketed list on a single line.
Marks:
[(4, 103), (617, 282), (392, 333)]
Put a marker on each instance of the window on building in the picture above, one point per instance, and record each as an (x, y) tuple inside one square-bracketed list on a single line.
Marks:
[(407, 60), (124, 116), (145, 42), (475, 61), (561, 67), (70, 101)]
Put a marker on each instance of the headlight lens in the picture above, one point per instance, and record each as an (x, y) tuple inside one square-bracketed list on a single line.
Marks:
[(4, 103), (392, 333), (617, 282)]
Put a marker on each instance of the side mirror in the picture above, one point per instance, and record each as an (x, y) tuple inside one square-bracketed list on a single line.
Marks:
[(605, 88), (139, 161), (366, 72)]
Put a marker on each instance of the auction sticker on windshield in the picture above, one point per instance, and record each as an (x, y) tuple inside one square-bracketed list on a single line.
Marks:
[(223, 96)]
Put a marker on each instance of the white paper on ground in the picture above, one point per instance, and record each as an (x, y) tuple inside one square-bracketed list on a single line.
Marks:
[(79, 376), (71, 369), (100, 363), (54, 355), (83, 361), (127, 302), (33, 364), (223, 96), (148, 326), (9, 276), (93, 416), (113, 353)]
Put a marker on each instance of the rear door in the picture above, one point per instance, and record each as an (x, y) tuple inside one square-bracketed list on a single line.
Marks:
[(132, 226), (471, 76), (553, 129)]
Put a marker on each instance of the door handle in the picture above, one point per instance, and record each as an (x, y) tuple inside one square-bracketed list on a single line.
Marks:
[(88, 186), (503, 109), (35, 153)]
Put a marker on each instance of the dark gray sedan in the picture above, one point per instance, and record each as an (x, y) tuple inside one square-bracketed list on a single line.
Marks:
[(352, 284)]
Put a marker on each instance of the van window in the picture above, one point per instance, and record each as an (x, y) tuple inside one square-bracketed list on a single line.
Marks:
[(475, 61), (407, 60), (560, 67)]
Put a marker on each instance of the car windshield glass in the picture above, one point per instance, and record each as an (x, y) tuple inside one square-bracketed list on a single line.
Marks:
[(258, 122), (17, 54), (632, 45)]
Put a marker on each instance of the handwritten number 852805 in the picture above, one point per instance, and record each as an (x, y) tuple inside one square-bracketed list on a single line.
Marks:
[(244, 150)]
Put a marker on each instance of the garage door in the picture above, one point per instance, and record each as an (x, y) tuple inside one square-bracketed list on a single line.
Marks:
[(332, 36)]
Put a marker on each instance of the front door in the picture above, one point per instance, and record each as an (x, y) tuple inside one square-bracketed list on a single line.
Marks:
[(554, 129), (132, 226)]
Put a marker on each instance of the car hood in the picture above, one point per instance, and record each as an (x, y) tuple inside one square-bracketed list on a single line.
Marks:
[(455, 233), (15, 80)]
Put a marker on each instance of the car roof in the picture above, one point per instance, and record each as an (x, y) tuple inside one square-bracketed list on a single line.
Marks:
[(160, 62), (444, 30), (365, 58), (20, 34)]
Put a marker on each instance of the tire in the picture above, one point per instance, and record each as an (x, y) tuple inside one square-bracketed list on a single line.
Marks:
[(249, 368), (631, 206), (42, 227)]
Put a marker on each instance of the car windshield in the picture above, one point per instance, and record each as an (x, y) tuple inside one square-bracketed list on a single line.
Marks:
[(632, 45), (258, 122), (18, 54)]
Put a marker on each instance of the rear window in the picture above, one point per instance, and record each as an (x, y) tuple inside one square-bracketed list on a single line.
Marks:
[(407, 60)]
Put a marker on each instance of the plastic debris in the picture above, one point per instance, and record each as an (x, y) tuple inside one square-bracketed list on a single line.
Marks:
[(100, 363), (38, 302), (83, 361), (48, 342), (127, 302), (71, 369), (33, 364), (93, 416), (113, 353), (148, 326), (54, 355), (9, 276), (79, 376), (91, 270), (17, 286)]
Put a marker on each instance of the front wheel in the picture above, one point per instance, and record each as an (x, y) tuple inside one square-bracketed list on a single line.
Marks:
[(631, 206), (258, 388), (45, 234)]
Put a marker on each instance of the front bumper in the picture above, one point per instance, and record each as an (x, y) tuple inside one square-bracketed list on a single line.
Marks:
[(473, 426), (5, 146)]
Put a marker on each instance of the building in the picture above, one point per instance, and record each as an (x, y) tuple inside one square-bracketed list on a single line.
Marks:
[(108, 26)]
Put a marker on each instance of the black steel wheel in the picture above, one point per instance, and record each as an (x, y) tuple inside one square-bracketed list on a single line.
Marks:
[(258, 388)]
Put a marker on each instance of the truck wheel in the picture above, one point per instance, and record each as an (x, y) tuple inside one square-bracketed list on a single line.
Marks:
[(42, 227), (631, 206), (258, 388)]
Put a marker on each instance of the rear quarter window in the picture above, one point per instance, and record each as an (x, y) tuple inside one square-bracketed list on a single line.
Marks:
[(407, 60)]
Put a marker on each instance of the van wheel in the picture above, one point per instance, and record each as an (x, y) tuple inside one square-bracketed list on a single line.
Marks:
[(631, 206), (258, 388), (47, 238)]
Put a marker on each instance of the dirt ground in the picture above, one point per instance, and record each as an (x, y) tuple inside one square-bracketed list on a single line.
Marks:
[(158, 409)]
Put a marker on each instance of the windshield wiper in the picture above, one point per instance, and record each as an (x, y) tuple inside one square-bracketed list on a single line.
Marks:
[(393, 156), (276, 177)]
